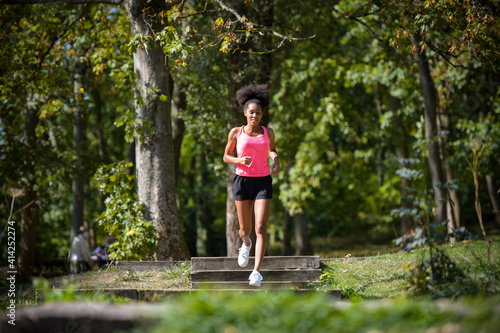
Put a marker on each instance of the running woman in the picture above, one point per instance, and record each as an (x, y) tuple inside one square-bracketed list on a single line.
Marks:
[(252, 186)]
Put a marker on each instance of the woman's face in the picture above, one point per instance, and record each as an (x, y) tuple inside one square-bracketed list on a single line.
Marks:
[(253, 114)]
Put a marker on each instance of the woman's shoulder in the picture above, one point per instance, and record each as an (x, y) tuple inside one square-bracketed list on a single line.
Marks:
[(269, 130), (234, 132)]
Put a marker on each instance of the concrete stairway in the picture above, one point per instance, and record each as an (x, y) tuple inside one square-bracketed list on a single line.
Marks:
[(278, 273)]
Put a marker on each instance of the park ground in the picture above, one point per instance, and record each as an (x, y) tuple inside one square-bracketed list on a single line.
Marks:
[(375, 287)]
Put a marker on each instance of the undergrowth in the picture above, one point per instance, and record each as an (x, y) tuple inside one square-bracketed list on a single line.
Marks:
[(465, 266)]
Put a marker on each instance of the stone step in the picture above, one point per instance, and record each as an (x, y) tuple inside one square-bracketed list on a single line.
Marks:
[(267, 275), (230, 285), (154, 295), (271, 263)]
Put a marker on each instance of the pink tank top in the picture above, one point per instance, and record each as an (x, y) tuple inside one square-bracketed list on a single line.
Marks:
[(258, 149)]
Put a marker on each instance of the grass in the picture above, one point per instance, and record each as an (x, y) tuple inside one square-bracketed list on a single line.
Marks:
[(379, 277), (375, 277), (175, 277), (67, 288), (385, 275)]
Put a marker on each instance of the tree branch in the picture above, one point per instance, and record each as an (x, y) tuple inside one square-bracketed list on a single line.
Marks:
[(439, 52), (67, 25), (247, 23), (445, 56), (355, 18), (74, 2)]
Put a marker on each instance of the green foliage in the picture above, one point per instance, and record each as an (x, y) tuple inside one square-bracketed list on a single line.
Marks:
[(484, 134), (452, 275), (328, 280), (437, 274), (123, 217), (69, 293), (332, 110), (460, 270), (289, 312)]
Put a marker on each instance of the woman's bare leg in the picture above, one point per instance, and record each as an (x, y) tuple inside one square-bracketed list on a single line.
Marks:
[(262, 208), (244, 209)]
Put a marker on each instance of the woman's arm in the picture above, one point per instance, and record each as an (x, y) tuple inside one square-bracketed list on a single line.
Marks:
[(228, 151), (273, 153)]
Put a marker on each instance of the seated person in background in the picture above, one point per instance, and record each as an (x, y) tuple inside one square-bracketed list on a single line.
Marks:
[(101, 253), (80, 255)]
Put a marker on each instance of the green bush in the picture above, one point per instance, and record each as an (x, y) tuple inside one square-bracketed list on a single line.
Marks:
[(123, 217), (68, 292), (315, 312)]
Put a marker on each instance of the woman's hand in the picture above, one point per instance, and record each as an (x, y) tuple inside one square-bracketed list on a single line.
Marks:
[(246, 160), (276, 167)]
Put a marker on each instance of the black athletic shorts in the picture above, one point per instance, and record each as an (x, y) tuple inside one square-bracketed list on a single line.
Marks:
[(252, 188)]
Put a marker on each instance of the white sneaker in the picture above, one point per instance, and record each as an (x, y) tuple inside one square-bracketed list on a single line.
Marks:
[(244, 254), (255, 279)]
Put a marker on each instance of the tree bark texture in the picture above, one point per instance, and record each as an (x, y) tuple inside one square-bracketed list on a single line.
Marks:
[(178, 126), (303, 246), (205, 229), (190, 226), (233, 241), (453, 204), (431, 130), (101, 138), (380, 144), (79, 146), (26, 258), (286, 245), (156, 185)]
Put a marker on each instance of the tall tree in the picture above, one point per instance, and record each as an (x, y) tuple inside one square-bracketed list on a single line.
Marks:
[(26, 258), (154, 147), (431, 129), (79, 142), (156, 183)]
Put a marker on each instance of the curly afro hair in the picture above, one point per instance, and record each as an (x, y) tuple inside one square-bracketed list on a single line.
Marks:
[(253, 94)]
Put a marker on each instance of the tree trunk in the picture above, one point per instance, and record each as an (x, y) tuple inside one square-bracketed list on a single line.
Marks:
[(235, 118), (191, 221), (233, 241), (453, 204), (380, 143), (178, 126), (156, 186), (26, 258), (286, 245), (431, 130), (494, 196), (257, 71), (303, 246), (205, 216), (79, 146), (101, 138), (403, 153)]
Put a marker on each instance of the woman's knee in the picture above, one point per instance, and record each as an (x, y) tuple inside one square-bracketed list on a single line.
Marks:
[(261, 229), (244, 233)]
